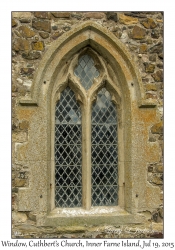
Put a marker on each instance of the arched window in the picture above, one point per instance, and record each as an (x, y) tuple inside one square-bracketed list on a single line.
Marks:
[(68, 160), (104, 151), (68, 140)]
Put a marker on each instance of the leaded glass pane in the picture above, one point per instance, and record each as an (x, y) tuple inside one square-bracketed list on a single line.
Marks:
[(104, 151), (86, 71), (68, 159)]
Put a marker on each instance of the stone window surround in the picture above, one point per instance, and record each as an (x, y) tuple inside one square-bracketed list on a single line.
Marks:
[(86, 99), (128, 96)]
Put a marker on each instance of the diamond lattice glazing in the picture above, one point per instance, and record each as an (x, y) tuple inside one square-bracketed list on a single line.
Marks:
[(68, 170), (104, 151), (86, 71)]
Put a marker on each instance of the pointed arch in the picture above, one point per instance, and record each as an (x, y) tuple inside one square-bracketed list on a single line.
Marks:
[(101, 40)]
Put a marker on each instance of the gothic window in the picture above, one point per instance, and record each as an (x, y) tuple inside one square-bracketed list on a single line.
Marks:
[(69, 146), (104, 151), (68, 162)]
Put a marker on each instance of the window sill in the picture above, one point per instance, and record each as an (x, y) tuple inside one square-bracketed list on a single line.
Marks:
[(94, 216)]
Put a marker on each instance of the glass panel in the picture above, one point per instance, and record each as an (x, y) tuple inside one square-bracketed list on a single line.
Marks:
[(104, 151), (68, 170), (86, 71)]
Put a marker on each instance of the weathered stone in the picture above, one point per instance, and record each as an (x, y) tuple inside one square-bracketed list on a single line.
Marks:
[(67, 28), (95, 15), (22, 90), (19, 137), (159, 168), (160, 55), (61, 14), (24, 125), (160, 65), (44, 35), (158, 48), (152, 57), (155, 34), (143, 48), (149, 41), (43, 25), (112, 16), (22, 14), (42, 14), (56, 35), (157, 128), (14, 23), (149, 67), (27, 71), (26, 32), (149, 23), (150, 169), (127, 19), (151, 87), (161, 94), (25, 20), (78, 16), (152, 139), (151, 96), (135, 14), (32, 55), (158, 76), (20, 182), (38, 46), (161, 212), (54, 27), (19, 217), (156, 179), (138, 33), (21, 44)]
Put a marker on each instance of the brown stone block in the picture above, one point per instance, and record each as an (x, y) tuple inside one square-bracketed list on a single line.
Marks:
[(158, 76), (26, 32), (43, 25), (21, 44), (158, 48), (127, 19), (56, 34), (20, 182), (42, 14), (143, 48), (19, 137), (38, 46), (27, 71), (157, 128), (149, 67), (112, 16), (24, 125), (95, 15), (150, 87), (151, 96), (32, 55), (149, 23), (44, 35), (25, 114), (138, 33), (159, 168), (61, 14), (14, 23)]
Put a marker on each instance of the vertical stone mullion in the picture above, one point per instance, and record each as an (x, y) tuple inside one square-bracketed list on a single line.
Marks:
[(86, 155)]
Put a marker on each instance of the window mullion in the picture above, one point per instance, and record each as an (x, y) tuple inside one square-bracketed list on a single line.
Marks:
[(86, 155)]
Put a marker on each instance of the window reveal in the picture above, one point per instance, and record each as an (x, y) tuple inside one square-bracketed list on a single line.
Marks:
[(68, 155), (104, 151)]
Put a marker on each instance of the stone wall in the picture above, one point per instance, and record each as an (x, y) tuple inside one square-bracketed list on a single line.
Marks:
[(32, 35)]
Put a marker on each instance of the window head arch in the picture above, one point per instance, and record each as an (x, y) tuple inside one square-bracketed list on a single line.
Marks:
[(86, 71)]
